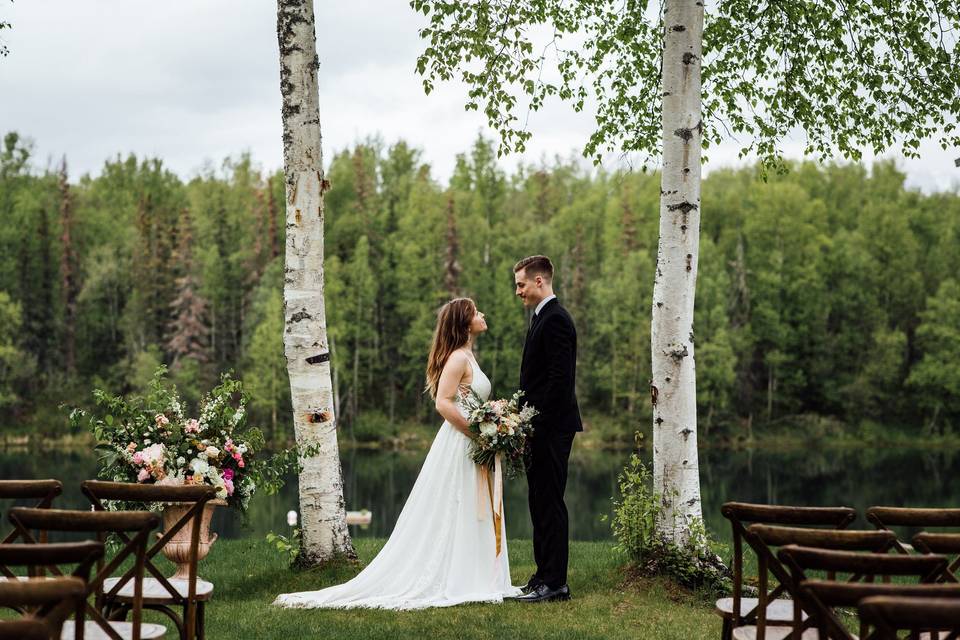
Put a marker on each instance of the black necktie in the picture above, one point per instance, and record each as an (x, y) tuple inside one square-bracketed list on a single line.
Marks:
[(533, 323)]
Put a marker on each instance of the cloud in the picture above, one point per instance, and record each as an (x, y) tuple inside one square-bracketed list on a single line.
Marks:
[(194, 82)]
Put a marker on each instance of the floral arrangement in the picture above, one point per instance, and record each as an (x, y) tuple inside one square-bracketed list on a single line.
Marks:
[(500, 427), (150, 440)]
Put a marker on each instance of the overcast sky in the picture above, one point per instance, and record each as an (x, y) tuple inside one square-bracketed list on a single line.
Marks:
[(193, 81)]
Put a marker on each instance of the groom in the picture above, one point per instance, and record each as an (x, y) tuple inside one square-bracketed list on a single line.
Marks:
[(547, 374)]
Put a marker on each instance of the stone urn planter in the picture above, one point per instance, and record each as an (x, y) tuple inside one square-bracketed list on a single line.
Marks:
[(177, 550)]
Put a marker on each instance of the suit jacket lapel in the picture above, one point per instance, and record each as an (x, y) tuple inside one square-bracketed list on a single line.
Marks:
[(534, 325), (526, 342)]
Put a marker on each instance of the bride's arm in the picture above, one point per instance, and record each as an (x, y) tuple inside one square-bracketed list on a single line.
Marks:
[(447, 389)]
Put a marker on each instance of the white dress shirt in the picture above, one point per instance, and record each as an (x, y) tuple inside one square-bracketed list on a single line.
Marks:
[(543, 302)]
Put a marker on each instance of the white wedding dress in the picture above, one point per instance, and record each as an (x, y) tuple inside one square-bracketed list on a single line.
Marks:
[(443, 549)]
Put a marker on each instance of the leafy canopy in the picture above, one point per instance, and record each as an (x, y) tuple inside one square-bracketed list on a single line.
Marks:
[(846, 75)]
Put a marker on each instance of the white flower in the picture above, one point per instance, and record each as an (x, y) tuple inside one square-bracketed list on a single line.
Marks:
[(199, 466), (181, 461), (154, 453), (242, 449), (212, 452), (488, 428)]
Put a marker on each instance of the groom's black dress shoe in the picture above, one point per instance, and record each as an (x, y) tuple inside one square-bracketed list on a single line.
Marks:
[(532, 584), (543, 593)]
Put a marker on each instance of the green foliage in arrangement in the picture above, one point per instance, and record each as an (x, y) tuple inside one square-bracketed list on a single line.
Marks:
[(821, 292), (151, 439)]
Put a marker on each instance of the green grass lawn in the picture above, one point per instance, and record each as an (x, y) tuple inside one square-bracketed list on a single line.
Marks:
[(249, 573)]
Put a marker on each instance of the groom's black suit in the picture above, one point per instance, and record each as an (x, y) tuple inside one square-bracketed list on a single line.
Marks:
[(547, 374)]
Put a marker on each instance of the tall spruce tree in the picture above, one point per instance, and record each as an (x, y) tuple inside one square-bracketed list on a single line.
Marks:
[(69, 284)]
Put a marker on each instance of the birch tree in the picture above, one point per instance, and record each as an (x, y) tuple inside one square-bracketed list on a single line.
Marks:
[(322, 510), (845, 76)]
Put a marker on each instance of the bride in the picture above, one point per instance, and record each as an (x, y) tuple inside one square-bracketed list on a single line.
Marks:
[(448, 547)]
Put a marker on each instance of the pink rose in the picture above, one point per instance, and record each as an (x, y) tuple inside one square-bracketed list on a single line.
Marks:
[(143, 476), (240, 464), (138, 458), (192, 426), (132, 447), (228, 474), (161, 420), (229, 485)]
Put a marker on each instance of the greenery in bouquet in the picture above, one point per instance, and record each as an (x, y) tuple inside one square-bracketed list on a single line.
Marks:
[(149, 439), (500, 427)]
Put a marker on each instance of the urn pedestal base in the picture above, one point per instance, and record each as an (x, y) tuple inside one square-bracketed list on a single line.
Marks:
[(177, 550)]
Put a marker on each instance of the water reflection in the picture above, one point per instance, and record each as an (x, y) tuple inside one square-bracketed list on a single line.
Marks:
[(379, 481)]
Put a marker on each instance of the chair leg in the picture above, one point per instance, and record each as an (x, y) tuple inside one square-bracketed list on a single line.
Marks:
[(201, 630), (726, 633)]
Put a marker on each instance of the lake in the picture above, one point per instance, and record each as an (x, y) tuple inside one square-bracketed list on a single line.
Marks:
[(380, 480)]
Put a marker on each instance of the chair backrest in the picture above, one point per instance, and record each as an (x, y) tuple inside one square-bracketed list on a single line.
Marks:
[(196, 496), (912, 517), (34, 556), (48, 600), (742, 514), (891, 613), (947, 544), (819, 597), (39, 493), (764, 539), (133, 527), (826, 596)]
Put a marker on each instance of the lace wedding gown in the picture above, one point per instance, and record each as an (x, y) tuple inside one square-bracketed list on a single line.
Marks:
[(443, 550)]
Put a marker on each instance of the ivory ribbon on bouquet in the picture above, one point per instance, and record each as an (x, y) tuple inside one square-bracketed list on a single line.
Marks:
[(490, 499)]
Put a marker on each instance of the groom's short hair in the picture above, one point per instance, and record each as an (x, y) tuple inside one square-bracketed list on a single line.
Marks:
[(536, 266)]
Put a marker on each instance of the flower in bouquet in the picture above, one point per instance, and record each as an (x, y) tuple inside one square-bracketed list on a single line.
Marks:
[(500, 429)]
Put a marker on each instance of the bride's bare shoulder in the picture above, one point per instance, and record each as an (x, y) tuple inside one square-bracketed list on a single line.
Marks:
[(457, 359)]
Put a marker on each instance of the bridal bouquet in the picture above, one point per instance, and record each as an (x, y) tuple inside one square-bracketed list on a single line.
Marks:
[(150, 439), (500, 427)]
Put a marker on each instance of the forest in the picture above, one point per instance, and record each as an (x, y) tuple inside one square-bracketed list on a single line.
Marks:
[(827, 295)]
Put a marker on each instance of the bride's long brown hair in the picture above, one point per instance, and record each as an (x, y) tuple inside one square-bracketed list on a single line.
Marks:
[(451, 333)]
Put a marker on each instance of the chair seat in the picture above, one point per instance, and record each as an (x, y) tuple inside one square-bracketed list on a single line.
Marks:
[(779, 610), (155, 593), (774, 633), (93, 631)]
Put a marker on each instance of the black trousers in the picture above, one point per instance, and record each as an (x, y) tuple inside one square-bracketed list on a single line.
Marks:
[(547, 480)]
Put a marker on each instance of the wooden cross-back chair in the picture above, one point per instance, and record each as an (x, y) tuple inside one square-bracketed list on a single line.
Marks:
[(766, 539), (34, 557), (133, 528), (947, 544), (48, 602), (922, 617), (40, 493), (912, 517), (737, 610), (160, 593), (822, 597)]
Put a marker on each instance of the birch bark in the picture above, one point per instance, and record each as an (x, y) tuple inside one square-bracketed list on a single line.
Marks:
[(673, 388), (322, 509)]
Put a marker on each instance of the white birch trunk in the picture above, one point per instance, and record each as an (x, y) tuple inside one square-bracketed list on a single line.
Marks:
[(673, 392), (322, 510)]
